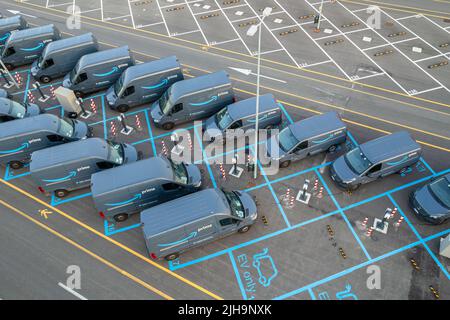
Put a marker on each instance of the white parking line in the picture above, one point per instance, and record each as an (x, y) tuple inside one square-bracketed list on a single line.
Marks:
[(271, 51), (196, 22), (115, 18), (305, 65), (285, 27), (140, 26), (369, 76), (131, 14), (433, 57), (390, 43), (177, 34), (76, 294), (90, 10), (424, 91), (311, 38), (408, 17), (205, 12), (162, 17), (223, 42), (179, 4), (334, 35), (436, 24), (232, 26), (60, 4)]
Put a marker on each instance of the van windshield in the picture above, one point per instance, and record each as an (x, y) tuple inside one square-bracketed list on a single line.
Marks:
[(287, 139), (40, 60), (223, 119), (118, 86), (164, 102), (179, 172), (66, 127), (237, 209), (115, 154), (356, 160), (440, 189), (17, 110)]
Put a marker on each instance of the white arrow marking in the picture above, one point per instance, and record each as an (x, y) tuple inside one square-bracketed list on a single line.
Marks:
[(21, 13), (248, 72)]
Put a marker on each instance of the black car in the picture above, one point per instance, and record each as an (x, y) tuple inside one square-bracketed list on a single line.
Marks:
[(431, 202)]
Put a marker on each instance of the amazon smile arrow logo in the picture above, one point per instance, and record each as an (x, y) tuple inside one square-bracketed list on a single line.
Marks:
[(71, 175), (137, 196), (214, 98), (159, 85), (113, 70), (192, 235), (39, 46), (22, 147)]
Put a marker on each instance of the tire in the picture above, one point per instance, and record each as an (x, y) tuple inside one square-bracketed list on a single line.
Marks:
[(16, 165), (45, 79), (172, 256), (61, 193), (123, 108), (402, 170), (269, 127), (353, 188), (332, 148), (121, 217), (78, 94), (285, 164), (168, 126), (244, 229), (9, 66)]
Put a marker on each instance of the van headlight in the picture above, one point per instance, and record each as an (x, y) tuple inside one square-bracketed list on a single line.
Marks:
[(198, 184), (156, 120), (254, 216)]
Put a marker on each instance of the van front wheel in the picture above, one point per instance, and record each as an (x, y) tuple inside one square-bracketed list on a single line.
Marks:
[(168, 126), (9, 66), (123, 108), (285, 164), (121, 217), (45, 79), (172, 256), (61, 193), (244, 229), (16, 165)]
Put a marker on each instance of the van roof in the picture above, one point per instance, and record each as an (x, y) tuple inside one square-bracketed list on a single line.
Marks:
[(181, 88), (247, 107), (389, 146), (67, 152), (31, 32), (69, 43), (148, 68), (129, 174), (14, 20), (316, 125), (30, 124), (184, 210), (104, 55)]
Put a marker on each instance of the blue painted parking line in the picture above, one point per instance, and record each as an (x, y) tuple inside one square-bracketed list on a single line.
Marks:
[(299, 225), (27, 87), (211, 175), (427, 165), (359, 266), (150, 132), (10, 176), (352, 139), (286, 220), (132, 113), (286, 113), (110, 229), (311, 294), (238, 276), (444, 270), (55, 201), (344, 216)]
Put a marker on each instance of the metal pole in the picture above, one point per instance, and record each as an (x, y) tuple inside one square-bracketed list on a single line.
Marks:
[(255, 171), (320, 14)]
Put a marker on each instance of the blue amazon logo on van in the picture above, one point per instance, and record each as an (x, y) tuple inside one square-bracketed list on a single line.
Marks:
[(323, 140), (404, 159), (192, 235), (38, 47), (204, 103), (5, 36), (21, 148), (113, 70), (68, 177), (156, 86), (136, 197)]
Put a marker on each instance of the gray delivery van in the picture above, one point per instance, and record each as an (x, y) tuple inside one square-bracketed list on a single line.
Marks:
[(5, 94), (242, 115), (431, 202), (19, 138), (196, 219), (11, 24), (60, 57), (69, 167), (143, 83), (307, 137), (12, 110), (97, 71), (127, 189), (25, 46), (375, 159), (193, 99)]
